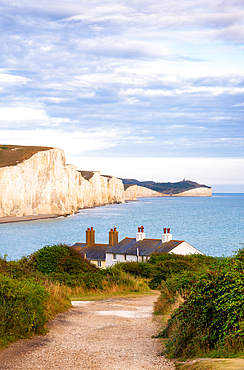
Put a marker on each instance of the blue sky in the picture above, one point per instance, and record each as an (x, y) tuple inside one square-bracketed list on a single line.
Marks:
[(147, 89)]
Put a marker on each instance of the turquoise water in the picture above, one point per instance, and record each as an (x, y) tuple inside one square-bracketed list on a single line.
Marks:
[(213, 225)]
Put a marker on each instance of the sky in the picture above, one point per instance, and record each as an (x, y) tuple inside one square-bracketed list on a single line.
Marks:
[(152, 90)]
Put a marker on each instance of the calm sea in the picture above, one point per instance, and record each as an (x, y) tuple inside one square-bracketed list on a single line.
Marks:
[(213, 225)]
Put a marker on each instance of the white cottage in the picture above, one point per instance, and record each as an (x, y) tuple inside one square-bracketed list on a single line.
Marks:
[(140, 249)]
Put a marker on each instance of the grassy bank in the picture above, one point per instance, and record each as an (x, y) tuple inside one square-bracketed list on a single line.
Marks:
[(213, 364), (209, 321)]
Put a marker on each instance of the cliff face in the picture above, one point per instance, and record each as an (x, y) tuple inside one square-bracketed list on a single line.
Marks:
[(45, 184), (132, 192), (198, 192), (143, 192)]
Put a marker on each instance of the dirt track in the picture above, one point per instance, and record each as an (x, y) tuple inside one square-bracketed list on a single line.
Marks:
[(113, 334)]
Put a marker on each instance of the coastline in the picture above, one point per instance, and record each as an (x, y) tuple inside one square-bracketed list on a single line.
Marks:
[(11, 219)]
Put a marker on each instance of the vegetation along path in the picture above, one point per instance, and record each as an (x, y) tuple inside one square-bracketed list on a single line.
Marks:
[(110, 334)]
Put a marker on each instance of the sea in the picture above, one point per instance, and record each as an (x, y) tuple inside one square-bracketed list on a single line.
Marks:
[(214, 225)]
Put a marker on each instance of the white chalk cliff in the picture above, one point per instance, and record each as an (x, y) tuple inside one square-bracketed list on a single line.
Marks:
[(197, 192), (45, 184), (134, 191)]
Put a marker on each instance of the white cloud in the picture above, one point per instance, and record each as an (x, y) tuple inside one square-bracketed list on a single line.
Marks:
[(8, 79), (173, 68), (197, 90), (21, 114), (54, 100)]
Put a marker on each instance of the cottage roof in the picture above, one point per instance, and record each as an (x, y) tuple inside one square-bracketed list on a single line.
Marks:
[(94, 252), (145, 247)]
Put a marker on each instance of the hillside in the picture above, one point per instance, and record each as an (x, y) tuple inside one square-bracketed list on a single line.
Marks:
[(165, 187), (11, 155)]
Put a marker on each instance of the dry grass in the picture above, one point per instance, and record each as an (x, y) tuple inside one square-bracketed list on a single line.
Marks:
[(212, 364), (164, 307), (58, 300), (11, 155)]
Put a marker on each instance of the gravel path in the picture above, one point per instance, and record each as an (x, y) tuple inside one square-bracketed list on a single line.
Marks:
[(113, 334)]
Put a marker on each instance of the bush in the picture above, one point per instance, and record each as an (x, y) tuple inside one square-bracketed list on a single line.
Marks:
[(64, 265), (167, 265), (211, 320), (22, 306), (137, 269)]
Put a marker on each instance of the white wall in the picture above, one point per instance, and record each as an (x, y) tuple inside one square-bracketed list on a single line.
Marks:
[(185, 248), (119, 258)]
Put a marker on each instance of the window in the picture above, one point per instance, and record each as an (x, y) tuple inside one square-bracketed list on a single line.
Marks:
[(99, 263), (125, 257), (114, 257)]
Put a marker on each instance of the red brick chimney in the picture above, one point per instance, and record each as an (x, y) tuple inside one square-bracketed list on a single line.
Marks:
[(92, 236), (113, 237), (88, 237)]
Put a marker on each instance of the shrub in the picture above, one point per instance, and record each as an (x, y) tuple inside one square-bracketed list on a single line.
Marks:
[(167, 265), (22, 305), (64, 265), (137, 269), (211, 320)]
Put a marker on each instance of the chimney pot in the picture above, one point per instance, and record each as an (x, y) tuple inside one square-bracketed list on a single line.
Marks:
[(140, 235), (114, 228), (91, 228), (166, 237)]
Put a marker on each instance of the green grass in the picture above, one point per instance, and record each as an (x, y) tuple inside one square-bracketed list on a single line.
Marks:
[(98, 296)]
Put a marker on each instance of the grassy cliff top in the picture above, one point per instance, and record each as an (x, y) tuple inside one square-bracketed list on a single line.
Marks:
[(11, 155), (165, 187)]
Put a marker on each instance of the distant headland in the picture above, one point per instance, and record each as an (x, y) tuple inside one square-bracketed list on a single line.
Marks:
[(36, 180), (171, 188)]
